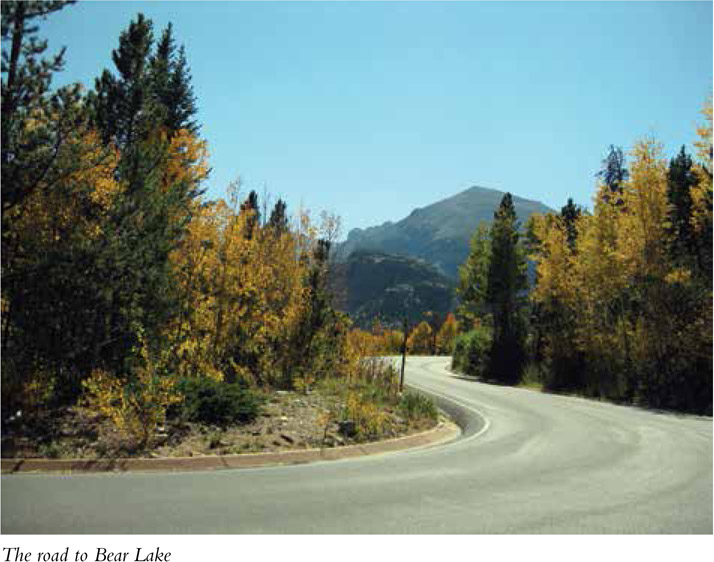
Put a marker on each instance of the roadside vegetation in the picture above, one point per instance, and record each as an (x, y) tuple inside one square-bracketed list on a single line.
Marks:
[(619, 302), (431, 336), (134, 307)]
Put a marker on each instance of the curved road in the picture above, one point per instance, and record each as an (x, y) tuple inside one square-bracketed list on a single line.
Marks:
[(526, 463)]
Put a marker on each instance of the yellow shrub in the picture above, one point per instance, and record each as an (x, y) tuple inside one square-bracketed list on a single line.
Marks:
[(135, 406), (369, 420)]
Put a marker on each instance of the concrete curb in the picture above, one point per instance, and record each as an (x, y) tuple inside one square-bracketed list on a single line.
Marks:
[(444, 431)]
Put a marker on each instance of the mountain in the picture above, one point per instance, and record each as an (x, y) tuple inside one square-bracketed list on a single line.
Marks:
[(440, 232), (387, 287)]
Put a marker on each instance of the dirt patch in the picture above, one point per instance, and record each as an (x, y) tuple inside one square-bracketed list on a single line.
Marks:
[(288, 421)]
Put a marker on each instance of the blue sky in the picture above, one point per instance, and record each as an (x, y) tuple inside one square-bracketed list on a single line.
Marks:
[(372, 109)]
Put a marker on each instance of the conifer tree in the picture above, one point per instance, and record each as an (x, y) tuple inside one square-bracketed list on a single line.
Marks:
[(124, 110), (160, 67), (181, 102), (278, 220), (30, 137), (505, 292), (614, 171), (473, 278), (680, 180), (570, 214), (252, 211)]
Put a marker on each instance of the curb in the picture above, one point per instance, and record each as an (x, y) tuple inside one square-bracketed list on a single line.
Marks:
[(444, 431)]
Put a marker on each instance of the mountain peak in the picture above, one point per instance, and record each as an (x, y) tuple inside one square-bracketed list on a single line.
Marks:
[(439, 233)]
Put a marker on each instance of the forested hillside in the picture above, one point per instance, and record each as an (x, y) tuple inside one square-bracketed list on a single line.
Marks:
[(389, 288)]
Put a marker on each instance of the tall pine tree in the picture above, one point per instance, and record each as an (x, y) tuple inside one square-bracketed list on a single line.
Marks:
[(680, 180), (507, 283)]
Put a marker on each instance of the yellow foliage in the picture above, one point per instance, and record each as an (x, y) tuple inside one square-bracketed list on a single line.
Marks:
[(420, 340), (641, 240), (702, 192), (369, 419), (246, 286), (51, 212), (363, 343), (187, 160), (446, 335), (136, 405)]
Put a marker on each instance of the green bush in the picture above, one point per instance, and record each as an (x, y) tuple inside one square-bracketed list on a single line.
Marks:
[(471, 352), (414, 406), (209, 401)]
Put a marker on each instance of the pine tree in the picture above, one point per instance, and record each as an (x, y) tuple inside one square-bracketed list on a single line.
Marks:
[(680, 180), (278, 220), (473, 279), (252, 210), (614, 171), (181, 102), (122, 104), (505, 292), (31, 137), (570, 214), (171, 83), (160, 67), (161, 179)]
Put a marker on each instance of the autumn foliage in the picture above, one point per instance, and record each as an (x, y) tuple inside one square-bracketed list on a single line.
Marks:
[(122, 282)]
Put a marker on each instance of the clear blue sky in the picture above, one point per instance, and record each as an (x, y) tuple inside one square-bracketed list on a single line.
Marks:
[(372, 109)]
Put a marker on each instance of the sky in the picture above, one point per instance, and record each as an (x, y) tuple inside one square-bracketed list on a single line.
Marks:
[(370, 109)]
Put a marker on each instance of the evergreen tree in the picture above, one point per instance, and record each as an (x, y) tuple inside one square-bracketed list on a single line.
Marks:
[(32, 128), (160, 68), (614, 171), (507, 283), (149, 216), (680, 180), (570, 214), (122, 103), (250, 206), (278, 220), (473, 279), (181, 102)]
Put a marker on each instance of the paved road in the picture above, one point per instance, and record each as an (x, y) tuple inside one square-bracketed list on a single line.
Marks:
[(527, 463)]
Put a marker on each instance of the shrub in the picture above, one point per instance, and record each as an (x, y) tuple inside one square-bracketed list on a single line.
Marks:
[(414, 407), (136, 405), (209, 401), (533, 375), (368, 419), (471, 352)]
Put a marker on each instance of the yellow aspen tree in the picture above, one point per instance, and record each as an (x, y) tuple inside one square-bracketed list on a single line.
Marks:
[(420, 340), (446, 335)]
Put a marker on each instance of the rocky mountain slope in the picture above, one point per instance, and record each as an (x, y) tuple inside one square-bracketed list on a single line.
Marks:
[(439, 233), (388, 287)]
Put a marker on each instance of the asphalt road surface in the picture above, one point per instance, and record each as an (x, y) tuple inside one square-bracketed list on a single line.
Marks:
[(526, 463)]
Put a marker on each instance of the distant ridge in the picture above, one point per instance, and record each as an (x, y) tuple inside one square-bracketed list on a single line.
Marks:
[(439, 233), (391, 288)]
